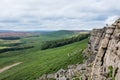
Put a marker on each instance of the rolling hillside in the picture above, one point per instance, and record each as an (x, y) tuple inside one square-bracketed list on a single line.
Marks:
[(61, 33), (35, 62)]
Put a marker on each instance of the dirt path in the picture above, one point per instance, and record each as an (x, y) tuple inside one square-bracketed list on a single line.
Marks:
[(8, 67)]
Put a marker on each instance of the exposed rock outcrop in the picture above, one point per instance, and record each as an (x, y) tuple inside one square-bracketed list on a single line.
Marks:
[(73, 72), (107, 47), (103, 54)]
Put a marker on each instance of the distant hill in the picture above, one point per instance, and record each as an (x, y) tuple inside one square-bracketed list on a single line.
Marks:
[(60, 32), (64, 33), (81, 30)]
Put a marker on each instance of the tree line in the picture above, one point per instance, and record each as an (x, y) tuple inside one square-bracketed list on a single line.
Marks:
[(9, 38), (15, 49), (62, 42)]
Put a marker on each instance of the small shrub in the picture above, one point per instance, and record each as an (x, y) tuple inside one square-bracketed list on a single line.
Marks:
[(111, 71), (110, 74), (51, 79)]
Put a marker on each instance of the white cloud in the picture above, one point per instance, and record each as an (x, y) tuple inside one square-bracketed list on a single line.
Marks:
[(57, 14), (111, 19)]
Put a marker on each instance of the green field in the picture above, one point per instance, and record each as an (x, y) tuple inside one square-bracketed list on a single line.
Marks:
[(36, 62)]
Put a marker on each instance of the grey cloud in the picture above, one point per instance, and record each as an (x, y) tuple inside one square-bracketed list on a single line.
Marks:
[(57, 14)]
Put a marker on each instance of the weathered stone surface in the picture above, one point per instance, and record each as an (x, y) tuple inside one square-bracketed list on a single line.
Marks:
[(109, 30), (108, 54)]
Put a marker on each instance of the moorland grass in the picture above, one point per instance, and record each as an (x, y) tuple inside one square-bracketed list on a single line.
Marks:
[(36, 62)]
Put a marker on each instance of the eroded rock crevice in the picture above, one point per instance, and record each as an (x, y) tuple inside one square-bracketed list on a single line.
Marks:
[(106, 55)]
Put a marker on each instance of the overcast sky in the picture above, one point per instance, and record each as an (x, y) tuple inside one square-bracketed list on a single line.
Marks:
[(57, 14)]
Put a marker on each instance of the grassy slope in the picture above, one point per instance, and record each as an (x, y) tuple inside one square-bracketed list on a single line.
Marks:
[(36, 62)]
